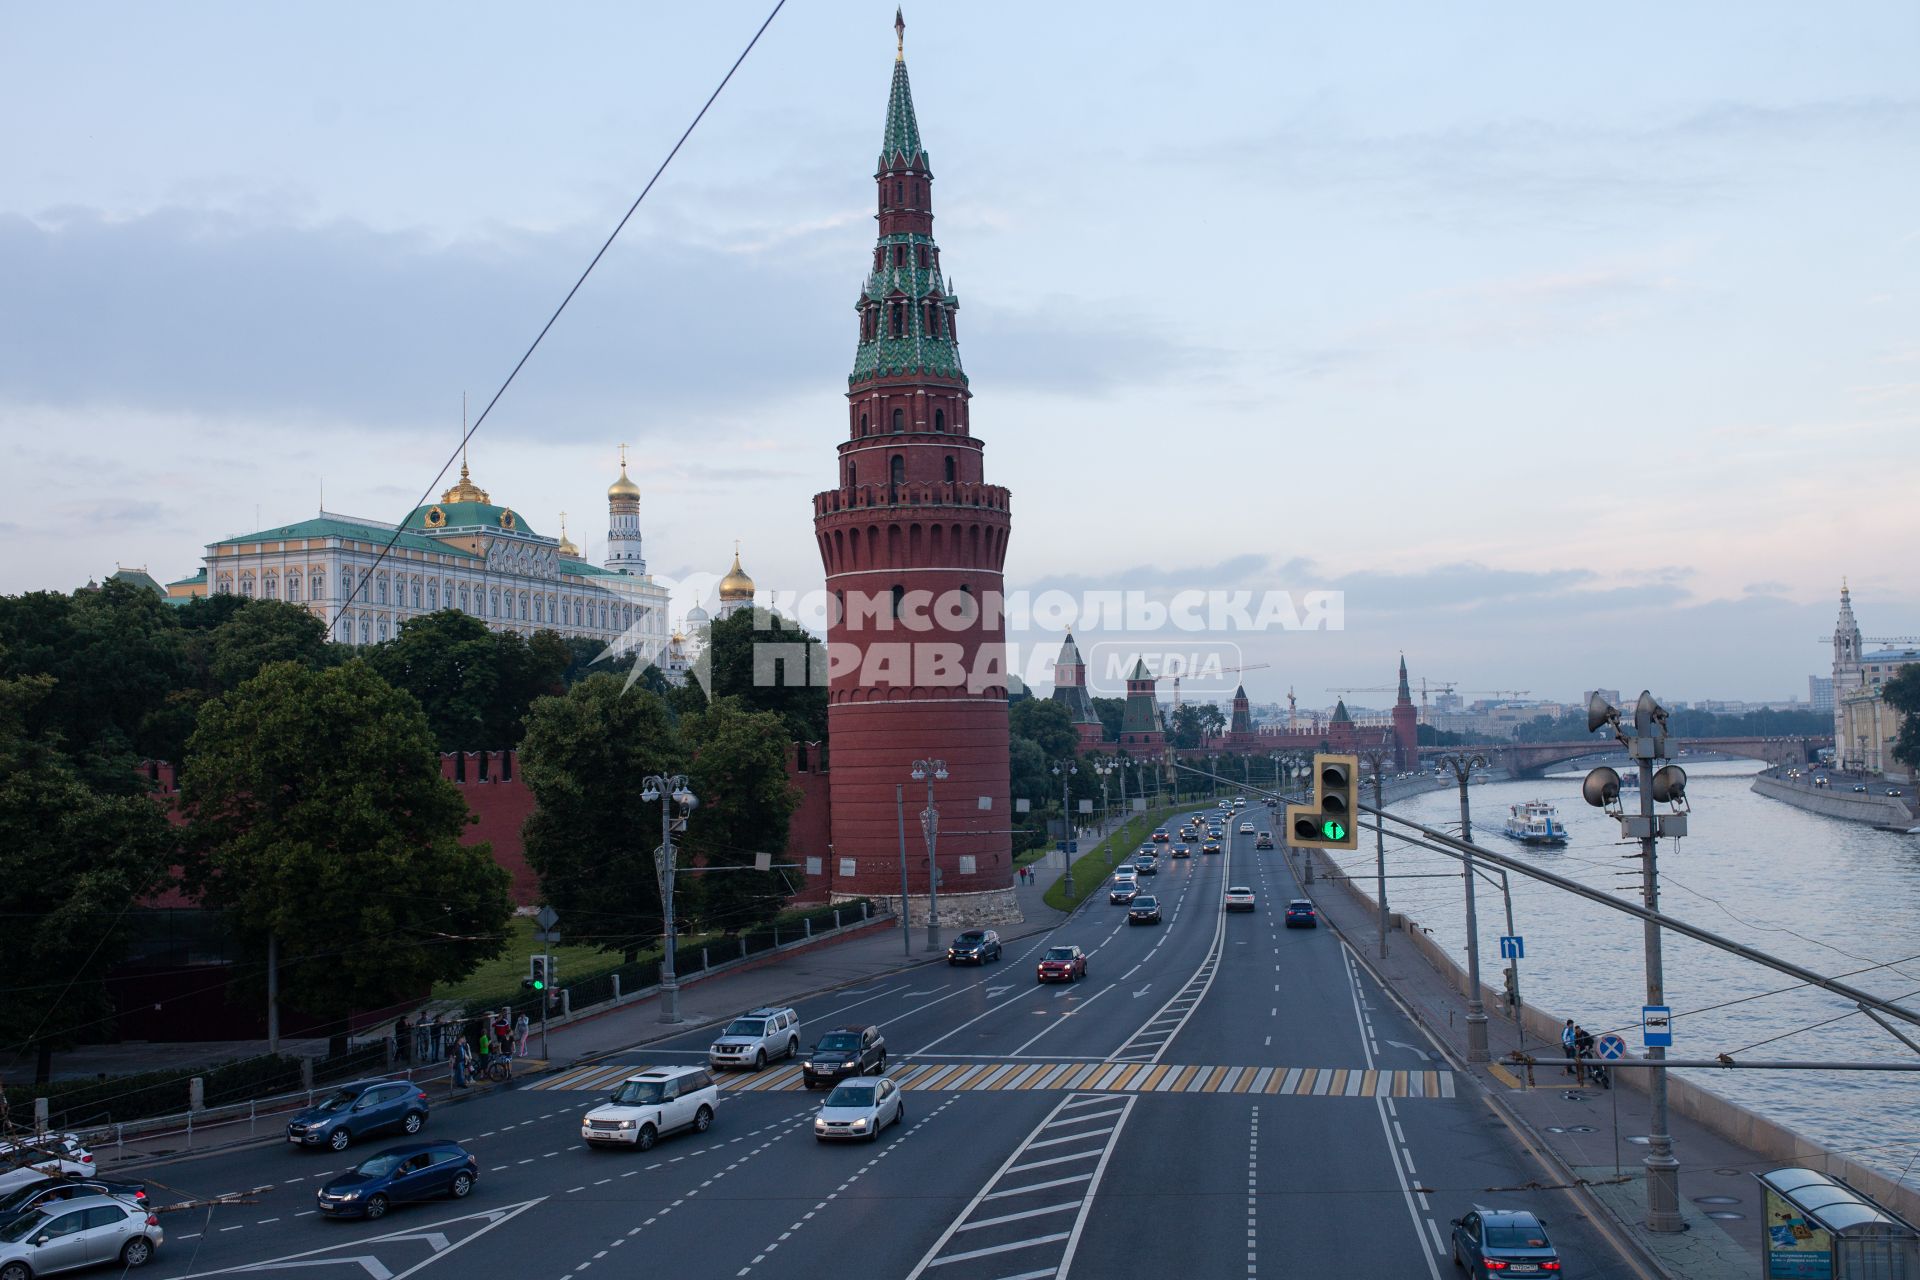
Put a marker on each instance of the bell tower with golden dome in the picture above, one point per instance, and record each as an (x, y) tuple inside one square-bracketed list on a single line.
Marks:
[(736, 588), (623, 524)]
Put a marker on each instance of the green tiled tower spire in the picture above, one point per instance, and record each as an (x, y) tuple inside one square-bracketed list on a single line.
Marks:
[(906, 304)]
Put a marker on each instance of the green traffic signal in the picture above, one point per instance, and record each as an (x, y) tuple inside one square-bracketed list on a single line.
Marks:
[(1333, 829), (539, 984)]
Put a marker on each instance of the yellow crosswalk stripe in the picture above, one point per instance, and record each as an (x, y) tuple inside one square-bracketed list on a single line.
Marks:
[(1101, 1077)]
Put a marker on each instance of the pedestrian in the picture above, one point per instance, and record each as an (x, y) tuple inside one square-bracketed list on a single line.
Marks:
[(403, 1040), (462, 1062), (521, 1030), (483, 1047), (1567, 1043), (1582, 1050), (503, 1033)]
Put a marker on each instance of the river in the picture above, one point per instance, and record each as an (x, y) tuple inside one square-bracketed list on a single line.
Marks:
[(1833, 896)]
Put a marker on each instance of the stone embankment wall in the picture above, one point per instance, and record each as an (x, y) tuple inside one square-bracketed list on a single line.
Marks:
[(1880, 811)]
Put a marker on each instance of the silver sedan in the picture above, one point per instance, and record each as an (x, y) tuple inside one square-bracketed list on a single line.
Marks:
[(860, 1109)]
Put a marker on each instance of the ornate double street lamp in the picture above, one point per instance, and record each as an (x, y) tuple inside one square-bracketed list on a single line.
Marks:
[(669, 790), (1105, 766), (1463, 765), (1064, 770), (931, 771)]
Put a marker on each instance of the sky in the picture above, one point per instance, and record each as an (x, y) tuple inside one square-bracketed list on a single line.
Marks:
[(1574, 349)]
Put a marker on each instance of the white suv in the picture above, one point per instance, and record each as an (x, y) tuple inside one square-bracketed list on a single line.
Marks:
[(657, 1101), (756, 1036)]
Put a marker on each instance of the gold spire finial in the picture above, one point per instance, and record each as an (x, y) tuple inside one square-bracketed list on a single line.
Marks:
[(899, 36)]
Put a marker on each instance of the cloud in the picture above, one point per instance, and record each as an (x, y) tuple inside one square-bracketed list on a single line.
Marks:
[(218, 313), (1769, 588)]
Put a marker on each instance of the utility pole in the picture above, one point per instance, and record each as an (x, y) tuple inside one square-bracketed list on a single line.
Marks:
[(1376, 758), (1463, 765), (1066, 770)]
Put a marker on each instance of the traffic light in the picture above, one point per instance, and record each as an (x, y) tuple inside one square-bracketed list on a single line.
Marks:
[(1327, 823), (538, 979)]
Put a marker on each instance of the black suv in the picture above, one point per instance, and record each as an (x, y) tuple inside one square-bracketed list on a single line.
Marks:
[(849, 1051), (976, 946)]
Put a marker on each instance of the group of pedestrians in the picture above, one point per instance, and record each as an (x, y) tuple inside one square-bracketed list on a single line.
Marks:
[(1578, 1042), (493, 1037)]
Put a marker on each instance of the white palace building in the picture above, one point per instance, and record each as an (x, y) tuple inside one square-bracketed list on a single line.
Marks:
[(462, 552)]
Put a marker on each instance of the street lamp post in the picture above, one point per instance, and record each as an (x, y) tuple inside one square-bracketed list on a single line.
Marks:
[(900, 816), (930, 771), (1463, 765), (1064, 770), (1104, 766), (669, 790)]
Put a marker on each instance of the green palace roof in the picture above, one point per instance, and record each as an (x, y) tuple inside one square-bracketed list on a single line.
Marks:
[(334, 527), (466, 515)]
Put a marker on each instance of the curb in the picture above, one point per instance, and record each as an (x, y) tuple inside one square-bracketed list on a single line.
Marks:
[(1619, 1233)]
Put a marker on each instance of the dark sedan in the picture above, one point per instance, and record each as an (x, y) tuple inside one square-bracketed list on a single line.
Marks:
[(1061, 964), (1147, 866), (1181, 851), (1144, 909), (359, 1110), (1503, 1242), (975, 946), (415, 1171), (850, 1051), (1301, 915)]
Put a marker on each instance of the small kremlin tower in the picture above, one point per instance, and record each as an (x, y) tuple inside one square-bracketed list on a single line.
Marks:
[(1406, 724), (913, 540), (1070, 691)]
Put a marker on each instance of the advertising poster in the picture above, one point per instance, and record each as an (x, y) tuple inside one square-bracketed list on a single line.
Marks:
[(1796, 1248)]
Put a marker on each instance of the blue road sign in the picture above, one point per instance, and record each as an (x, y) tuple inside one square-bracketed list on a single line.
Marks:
[(1656, 1026), (1513, 947), (1067, 846), (1611, 1047)]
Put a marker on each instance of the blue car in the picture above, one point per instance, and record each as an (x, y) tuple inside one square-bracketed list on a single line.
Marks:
[(415, 1171), (359, 1110)]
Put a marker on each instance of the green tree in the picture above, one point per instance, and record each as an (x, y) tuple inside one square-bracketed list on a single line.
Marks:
[(1112, 713), (738, 770), (748, 657), (591, 837), (263, 632), (1902, 693), (446, 661), (1047, 723), (116, 655), (317, 817), (77, 860), (1187, 728)]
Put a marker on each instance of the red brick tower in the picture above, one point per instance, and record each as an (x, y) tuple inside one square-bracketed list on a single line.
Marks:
[(1070, 691), (1406, 723), (913, 541)]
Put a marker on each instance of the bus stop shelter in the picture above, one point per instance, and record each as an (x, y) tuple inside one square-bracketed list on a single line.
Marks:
[(1819, 1228)]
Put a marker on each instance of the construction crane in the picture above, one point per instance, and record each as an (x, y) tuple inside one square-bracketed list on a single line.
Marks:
[(1498, 693), (1908, 640), (1251, 666), (1425, 686)]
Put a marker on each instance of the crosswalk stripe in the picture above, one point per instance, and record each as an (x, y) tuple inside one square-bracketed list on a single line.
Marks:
[(1108, 1078)]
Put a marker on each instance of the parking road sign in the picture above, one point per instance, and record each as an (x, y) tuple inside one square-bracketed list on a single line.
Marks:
[(1656, 1026), (1513, 947), (1611, 1047)]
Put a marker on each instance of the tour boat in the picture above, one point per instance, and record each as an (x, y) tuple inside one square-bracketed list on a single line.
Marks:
[(1535, 822)]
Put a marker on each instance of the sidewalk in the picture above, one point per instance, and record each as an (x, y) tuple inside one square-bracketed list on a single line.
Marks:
[(1574, 1126)]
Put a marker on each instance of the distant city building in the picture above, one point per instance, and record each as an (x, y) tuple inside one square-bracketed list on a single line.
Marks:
[(1864, 726), (1611, 695), (1820, 693)]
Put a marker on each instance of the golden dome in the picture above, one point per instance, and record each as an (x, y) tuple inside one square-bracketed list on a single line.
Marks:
[(623, 487), (736, 585), (466, 490), (566, 547)]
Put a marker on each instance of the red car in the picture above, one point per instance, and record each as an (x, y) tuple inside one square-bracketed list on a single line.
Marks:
[(1061, 964)]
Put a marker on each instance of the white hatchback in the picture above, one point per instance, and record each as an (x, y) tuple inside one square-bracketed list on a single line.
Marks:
[(860, 1109), (658, 1101)]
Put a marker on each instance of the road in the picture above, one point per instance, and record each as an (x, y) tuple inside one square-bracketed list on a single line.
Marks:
[(1220, 1096)]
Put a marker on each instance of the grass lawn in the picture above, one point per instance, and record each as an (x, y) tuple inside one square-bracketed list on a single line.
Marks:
[(505, 970)]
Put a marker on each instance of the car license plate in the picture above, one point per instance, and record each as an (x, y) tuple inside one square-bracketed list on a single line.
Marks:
[(293, 1137), (1523, 1266)]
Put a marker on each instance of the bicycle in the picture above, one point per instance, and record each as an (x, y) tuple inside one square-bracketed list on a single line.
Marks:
[(500, 1070)]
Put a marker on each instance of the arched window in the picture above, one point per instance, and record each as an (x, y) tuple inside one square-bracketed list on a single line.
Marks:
[(899, 421), (270, 587), (463, 599), (879, 257), (246, 585), (898, 472), (899, 593), (493, 603), (846, 473), (899, 255), (863, 424), (896, 319), (365, 630), (416, 593), (383, 629), (523, 606), (293, 586), (346, 584), (949, 468), (899, 193), (380, 589), (933, 320), (940, 422), (921, 255)]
